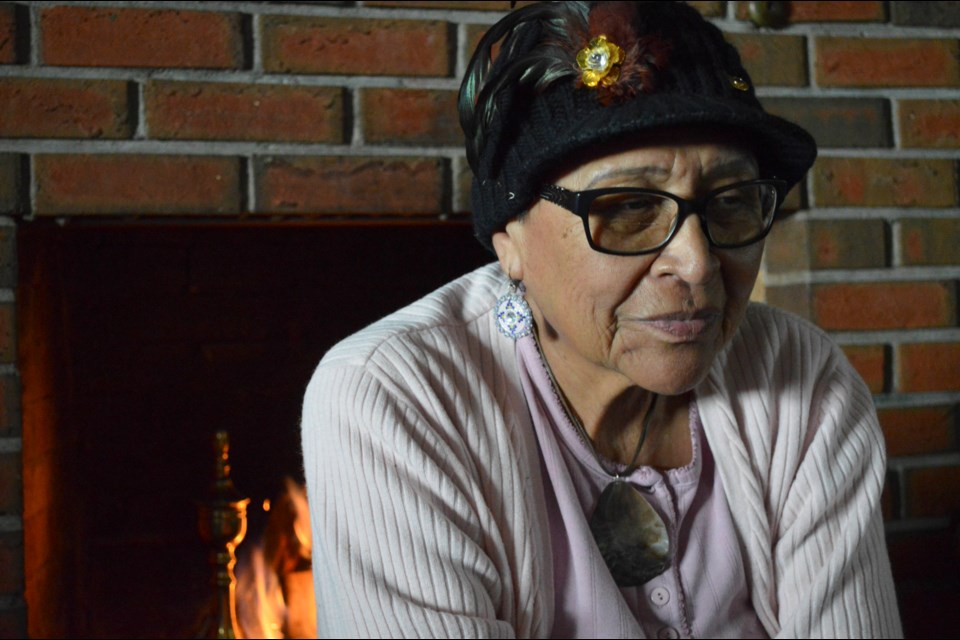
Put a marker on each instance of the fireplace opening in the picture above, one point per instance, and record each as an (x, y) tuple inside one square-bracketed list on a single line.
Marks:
[(138, 341)]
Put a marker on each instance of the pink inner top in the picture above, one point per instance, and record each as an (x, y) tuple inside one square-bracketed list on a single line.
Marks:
[(703, 594)]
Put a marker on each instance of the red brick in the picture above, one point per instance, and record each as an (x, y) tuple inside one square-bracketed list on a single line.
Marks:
[(847, 244), (113, 37), (398, 186), (215, 111), (49, 108), (828, 11), (788, 246), (8, 340), (944, 15), (772, 60), (929, 366), (933, 493), (838, 122), (136, 184), (911, 431), (10, 415), (411, 116), (474, 33), (11, 483), (870, 361), (796, 245), (356, 46), (887, 62), (858, 11), (884, 305), (930, 124), (8, 34), (930, 241), (879, 182)]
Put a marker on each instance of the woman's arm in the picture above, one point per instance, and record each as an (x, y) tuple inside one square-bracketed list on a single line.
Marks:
[(398, 534), (801, 455), (833, 571)]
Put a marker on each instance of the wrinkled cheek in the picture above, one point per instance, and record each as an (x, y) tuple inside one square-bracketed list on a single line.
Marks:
[(732, 318), (740, 277), (669, 371)]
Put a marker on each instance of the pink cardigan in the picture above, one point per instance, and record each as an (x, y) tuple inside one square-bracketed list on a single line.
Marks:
[(428, 502)]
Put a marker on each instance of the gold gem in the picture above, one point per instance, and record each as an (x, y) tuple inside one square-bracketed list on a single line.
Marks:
[(739, 83), (600, 62)]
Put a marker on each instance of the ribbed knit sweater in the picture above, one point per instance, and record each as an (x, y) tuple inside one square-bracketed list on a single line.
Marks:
[(427, 501)]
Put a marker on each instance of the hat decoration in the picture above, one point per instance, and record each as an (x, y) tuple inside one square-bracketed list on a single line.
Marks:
[(600, 62), (615, 62)]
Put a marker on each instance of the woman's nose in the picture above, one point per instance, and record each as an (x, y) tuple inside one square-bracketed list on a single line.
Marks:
[(688, 255)]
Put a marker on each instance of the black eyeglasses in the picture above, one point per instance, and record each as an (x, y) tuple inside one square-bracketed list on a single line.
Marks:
[(626, 221)]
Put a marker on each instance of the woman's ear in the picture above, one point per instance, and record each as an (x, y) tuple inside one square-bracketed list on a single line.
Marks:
[(507, 245)]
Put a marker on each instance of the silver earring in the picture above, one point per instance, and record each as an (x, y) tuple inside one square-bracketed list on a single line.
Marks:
[(514, 319)]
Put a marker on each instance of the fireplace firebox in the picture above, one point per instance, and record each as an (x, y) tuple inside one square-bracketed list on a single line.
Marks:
[(137, 342)]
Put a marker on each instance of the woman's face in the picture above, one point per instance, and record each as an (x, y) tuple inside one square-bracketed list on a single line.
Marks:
[(658, 320)]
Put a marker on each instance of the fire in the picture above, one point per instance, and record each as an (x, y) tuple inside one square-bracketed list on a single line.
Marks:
[(275, 597)]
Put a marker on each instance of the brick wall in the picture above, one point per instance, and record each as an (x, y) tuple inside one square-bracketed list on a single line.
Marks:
[(284, 111)]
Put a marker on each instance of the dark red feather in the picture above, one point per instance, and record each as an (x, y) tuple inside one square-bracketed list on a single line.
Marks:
[(643, 56)]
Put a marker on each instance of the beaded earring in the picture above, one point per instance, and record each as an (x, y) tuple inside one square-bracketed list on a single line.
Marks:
[(514, 319)]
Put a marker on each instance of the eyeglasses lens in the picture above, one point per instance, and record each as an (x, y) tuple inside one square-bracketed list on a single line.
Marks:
[(737, 216), (626, 222)]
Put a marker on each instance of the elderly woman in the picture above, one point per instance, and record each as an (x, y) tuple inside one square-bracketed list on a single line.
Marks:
[(599, 436)]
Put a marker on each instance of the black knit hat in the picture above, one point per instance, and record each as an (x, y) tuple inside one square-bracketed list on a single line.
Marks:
[(530, 112)]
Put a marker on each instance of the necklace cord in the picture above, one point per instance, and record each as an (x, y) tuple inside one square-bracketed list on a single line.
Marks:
[(581, 430)]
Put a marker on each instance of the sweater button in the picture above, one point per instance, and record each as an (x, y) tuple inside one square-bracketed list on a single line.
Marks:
[(668, 632), (660, 596)]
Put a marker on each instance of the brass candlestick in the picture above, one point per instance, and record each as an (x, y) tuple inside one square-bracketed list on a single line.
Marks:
[(223, 525)]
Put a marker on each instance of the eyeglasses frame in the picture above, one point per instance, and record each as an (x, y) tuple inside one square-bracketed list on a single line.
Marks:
[(578, 203)]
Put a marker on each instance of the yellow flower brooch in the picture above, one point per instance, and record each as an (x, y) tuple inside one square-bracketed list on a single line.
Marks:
[(620, 68), (599, 62)]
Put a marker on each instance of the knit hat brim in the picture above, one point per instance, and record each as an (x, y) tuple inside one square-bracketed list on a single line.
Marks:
[(783, 149)]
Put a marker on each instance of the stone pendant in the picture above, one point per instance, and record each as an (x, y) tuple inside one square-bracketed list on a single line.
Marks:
[(631, 535)]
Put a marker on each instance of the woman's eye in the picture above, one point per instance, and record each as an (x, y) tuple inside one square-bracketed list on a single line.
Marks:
[(628, 205), (732, 201)]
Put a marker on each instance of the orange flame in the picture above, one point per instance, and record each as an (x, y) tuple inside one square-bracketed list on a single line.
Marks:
[(275, 596)]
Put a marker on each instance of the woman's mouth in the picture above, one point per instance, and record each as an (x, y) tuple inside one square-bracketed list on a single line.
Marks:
[(684, 327)]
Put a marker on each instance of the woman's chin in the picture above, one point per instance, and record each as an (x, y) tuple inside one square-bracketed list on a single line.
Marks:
[(670, 374)]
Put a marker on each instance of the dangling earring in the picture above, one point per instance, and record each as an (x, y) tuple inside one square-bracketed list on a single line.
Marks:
[(514, 319)]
